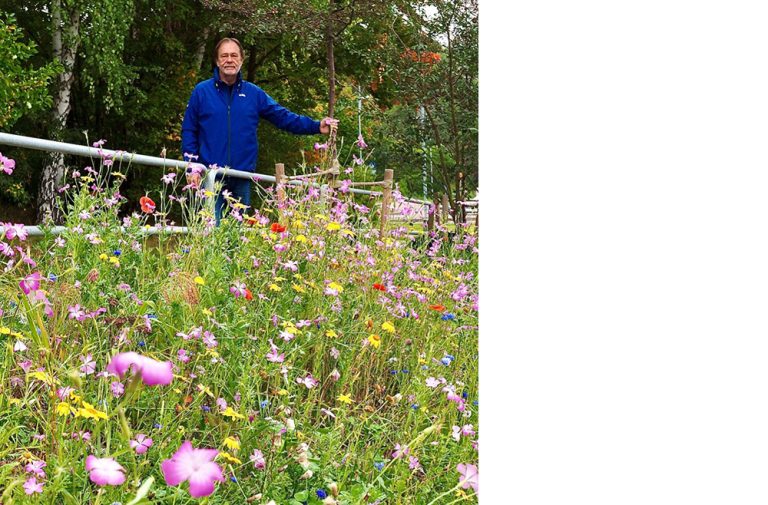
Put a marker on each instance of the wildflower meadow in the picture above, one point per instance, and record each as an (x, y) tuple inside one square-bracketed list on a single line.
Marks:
[(292, 354)]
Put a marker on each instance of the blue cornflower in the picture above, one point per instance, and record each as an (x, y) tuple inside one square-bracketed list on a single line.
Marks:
[(117, 252), (206, 408), (53, 277), (415, 406), (446, 361), (405, 370), (393, 372), (185, 250), (233, 478), (151, 316), (465, 395), (142, 343), (158, 426), (321, 494), (450, 357), (448, 317), (379, 465), (263, 404), (474, 403)]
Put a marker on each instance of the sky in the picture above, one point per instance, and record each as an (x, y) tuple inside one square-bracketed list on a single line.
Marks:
[(624, 260)]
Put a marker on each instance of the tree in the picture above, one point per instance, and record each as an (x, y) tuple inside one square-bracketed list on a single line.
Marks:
[(22, 88)]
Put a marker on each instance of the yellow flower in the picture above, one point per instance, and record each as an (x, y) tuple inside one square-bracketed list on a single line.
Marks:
[(65, 409), (301, 238), (208, 193), (89, 411), (335, 286), (118, 174), (103, 257), (299, 225), (298, 288), (282, 392), (275, 287), (333, 226), (205, 390), (114, 261), (239, 205), (232, 443), (230, 458), (4, 330), (348, 232), (345, 399), (230, 412), (387, 326), (375, 341), (44, 377), (207, 312), (321, 217), (279, 279), (331, 334), (199, 280)]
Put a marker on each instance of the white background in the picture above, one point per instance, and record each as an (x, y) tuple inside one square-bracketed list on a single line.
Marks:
[(624, 259)]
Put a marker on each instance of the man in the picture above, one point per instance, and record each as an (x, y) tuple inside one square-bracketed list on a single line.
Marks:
[(222, 118)]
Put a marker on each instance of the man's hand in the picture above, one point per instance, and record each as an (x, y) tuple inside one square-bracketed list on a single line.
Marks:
[(326, 123), (193, 178)]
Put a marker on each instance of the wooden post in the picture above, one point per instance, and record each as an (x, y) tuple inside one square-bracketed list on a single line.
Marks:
[(445, 209), (436, 200), (279, 181), (386, 196)]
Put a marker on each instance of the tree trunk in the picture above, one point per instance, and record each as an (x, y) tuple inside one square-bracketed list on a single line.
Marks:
[(66, 39), (200, 53)]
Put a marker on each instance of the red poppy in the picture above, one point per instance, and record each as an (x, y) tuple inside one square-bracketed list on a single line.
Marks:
[(248, 294), (277, 228), (147, 205), (380, 287), (438, 308)]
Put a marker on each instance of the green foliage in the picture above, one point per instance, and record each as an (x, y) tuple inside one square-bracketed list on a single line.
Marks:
[(23, 89)]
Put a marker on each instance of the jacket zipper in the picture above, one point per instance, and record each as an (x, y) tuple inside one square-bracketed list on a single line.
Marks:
[(229, 129)]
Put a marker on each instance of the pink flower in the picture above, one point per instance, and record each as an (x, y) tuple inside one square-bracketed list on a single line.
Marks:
[(238, 289), (195, 466), (141, 443), (308, 381), (32, 486), (360, 142), (104, 471), (117, 389), (258, 460), (469, 476), (413, 463), (400, 451), (88, 366), (7, 165), (15, 230), (36, 467), (273, 356), (153, 372), (30, 283)]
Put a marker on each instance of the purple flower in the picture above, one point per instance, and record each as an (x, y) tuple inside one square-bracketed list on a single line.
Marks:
[(117, 389), (469, 476), (7, 165), (141, 443), (153, 372), (32, 486), (88, 366), (360, 142), (36, 467), (30, 283), (258, 460), (195, 466), (104, 471), (413, 463)]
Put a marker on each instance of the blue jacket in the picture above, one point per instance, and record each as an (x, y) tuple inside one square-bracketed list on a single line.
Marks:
[(221, 122)]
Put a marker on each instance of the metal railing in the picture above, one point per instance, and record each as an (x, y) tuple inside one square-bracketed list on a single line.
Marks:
[(117, 155)]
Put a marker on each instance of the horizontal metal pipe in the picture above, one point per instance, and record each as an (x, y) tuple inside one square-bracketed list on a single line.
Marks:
[(37, 231)]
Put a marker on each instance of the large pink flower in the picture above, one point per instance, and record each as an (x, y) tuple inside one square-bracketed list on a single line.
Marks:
[(153, 372), (195, 466), (469, 476), (104, 471)]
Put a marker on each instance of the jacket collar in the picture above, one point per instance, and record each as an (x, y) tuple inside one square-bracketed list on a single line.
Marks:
[(218, 81)]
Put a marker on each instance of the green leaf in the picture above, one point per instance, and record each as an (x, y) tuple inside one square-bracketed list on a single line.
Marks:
[(301, 496), (142, 492)]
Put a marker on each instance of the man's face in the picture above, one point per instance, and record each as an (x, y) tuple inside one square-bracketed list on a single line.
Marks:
[(229, 60)]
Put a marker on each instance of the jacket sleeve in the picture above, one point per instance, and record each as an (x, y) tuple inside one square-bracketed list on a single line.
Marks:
[(190, 128), (285, 119)]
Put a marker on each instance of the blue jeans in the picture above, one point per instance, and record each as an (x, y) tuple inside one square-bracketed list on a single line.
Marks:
[(240, 189)]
